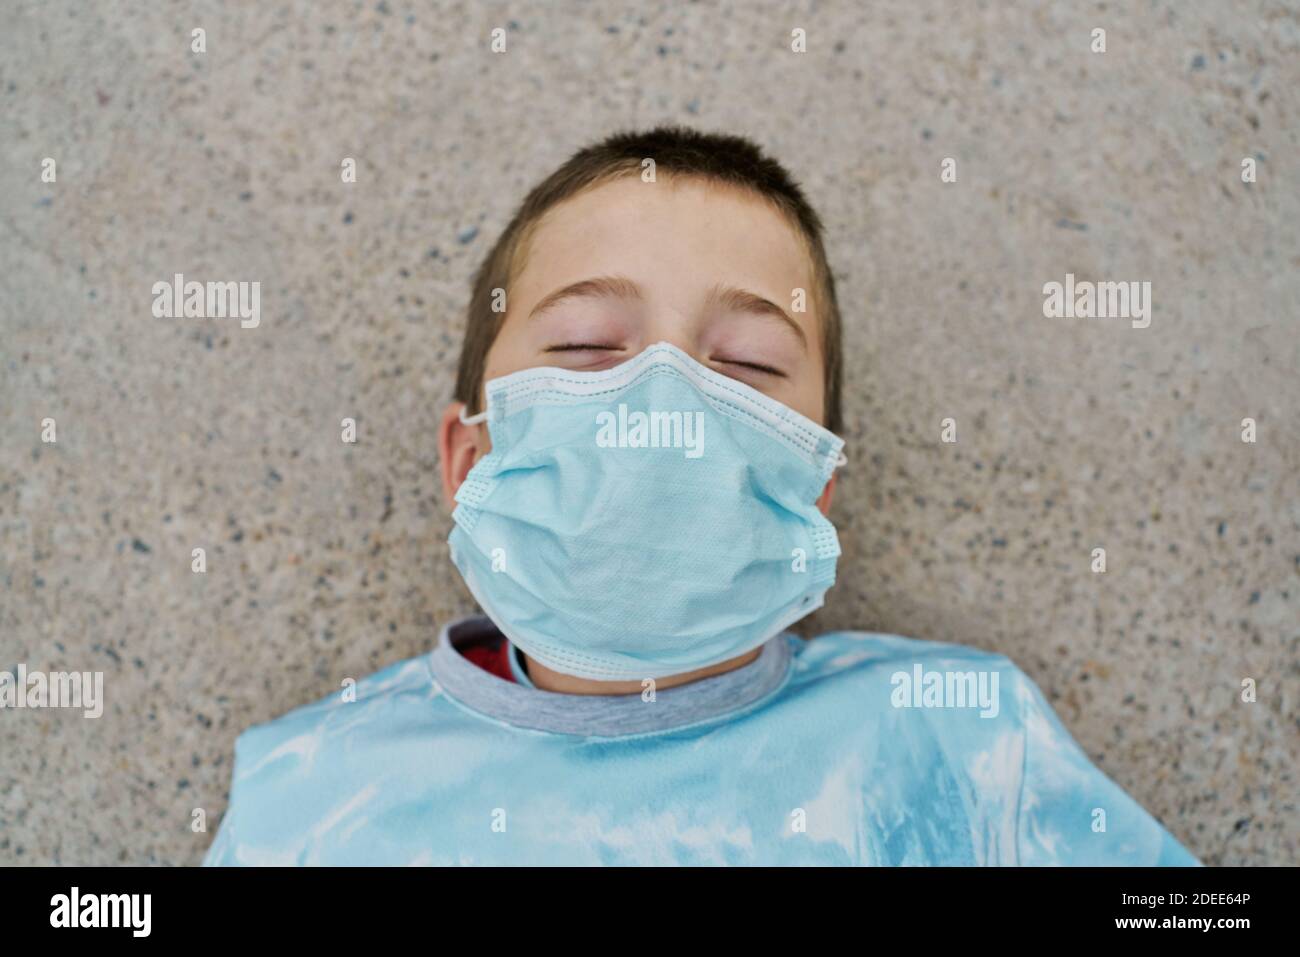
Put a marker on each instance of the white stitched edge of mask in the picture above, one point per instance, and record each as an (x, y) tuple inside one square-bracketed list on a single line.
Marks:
[(596, 669), (780, 421), (825, 538), (582, 384), (475, 489)]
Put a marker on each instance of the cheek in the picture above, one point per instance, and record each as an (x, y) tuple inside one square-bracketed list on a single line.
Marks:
[(813, 385), (509, 351), (808, 398), (805, 389)]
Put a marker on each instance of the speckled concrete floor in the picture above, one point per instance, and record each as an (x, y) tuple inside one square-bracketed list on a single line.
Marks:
[(327, 561)]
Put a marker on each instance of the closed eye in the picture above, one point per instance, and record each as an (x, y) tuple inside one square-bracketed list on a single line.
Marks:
[(602, 347), (756, 366), (583, 346)]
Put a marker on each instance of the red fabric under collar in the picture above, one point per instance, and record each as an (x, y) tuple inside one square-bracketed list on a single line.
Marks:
[(493, 656)]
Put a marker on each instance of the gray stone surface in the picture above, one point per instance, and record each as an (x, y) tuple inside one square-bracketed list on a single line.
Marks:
[(327, 560)]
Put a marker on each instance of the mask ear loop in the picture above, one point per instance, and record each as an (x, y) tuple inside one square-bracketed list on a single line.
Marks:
[(842, 460), (473, 419)]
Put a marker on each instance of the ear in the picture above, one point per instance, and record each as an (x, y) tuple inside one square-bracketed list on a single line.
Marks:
[(459, 447), (824, 500)]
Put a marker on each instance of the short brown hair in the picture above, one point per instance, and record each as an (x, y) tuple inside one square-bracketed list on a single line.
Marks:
[(676, 151)]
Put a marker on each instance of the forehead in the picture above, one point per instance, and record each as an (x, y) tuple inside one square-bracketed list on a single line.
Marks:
[(683, 231)]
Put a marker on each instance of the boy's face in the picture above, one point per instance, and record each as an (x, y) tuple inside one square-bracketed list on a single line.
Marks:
[(619, 267)]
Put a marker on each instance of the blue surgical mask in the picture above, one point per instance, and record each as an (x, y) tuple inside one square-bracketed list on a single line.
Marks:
[(645, 520)]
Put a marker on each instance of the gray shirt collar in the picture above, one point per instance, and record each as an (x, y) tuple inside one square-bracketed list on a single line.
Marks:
[(603, 715)]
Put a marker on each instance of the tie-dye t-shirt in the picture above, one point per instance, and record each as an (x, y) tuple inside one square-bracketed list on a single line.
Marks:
[(850, 748)]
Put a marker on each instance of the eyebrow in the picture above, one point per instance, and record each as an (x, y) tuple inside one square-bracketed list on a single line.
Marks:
[(729, 298), (733, 299), (601, 287)]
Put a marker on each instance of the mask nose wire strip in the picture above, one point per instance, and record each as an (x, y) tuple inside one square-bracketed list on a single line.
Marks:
[(482, 417)]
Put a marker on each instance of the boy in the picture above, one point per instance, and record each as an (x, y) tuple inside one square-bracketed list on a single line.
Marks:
[(642, 453)]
